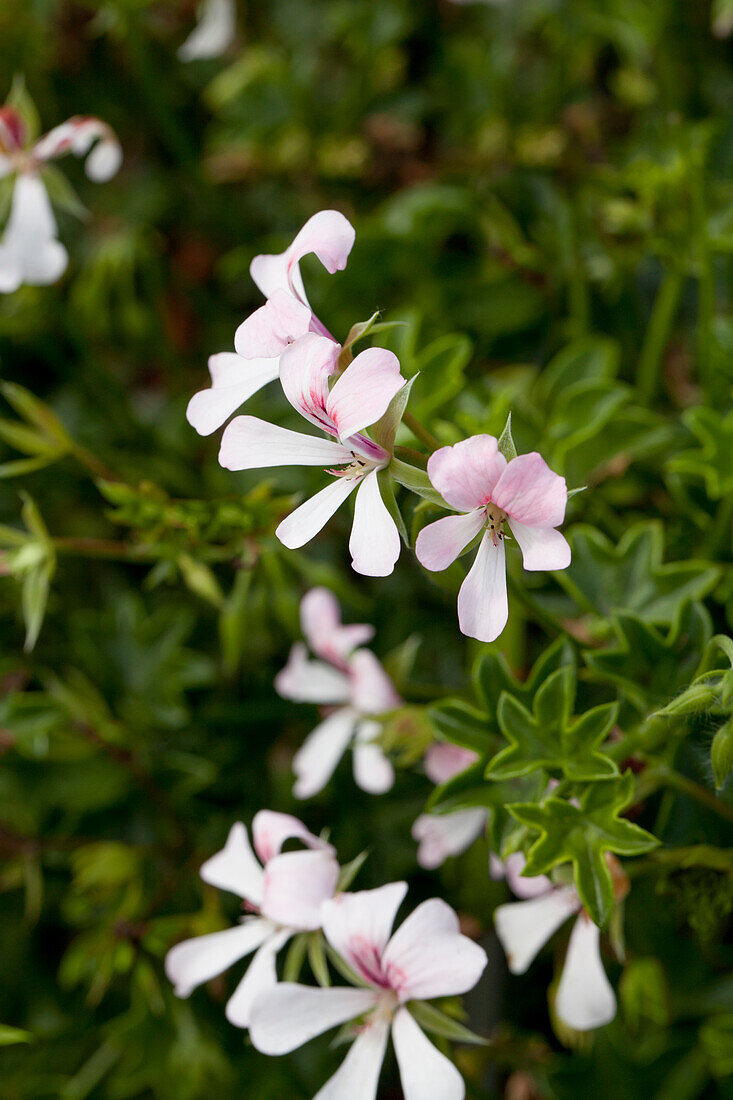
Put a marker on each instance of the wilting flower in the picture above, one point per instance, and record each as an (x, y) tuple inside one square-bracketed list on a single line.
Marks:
[(352, 683), (262, 337), (443, 835), (214, 31), (285, 891), (358, 398), (476, 479), (426, 957), (584, 997), (30, 251)]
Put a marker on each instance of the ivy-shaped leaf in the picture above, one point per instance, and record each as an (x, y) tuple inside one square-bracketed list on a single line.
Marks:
[(492, 676), (547, 738), (582, 835), (712, 461), (458, 722)]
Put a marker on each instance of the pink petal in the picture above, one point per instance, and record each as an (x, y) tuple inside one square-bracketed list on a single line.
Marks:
[(260, 976), (425, 1073), (314, 763), (428, 957), (482, 601), (195, 961), (313, 514), (306, 681), (363, 392), (233, 381), (273, 327), (320, 620), (530, 492), (373, 771), (372, 691), (442, 835), (235, 867), (305, 368), (296, 885), (523, 927), (374, 544), (284, 1018), (542, 547), (252, 444), (270, 830), (530, 886), (441, 542), (466, 473), (357, 1078), (358, 926), (328, 234), (585, 997), (443, 761)]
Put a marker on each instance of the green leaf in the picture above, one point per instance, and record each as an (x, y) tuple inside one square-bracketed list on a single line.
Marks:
[(505, 441), (462, 724), (721, 753), (492, 676), (433, 1019), (20, 101), (390, 502), (35, 412), (350, 870), (711, 462), (10, 1035), (417, 481), (582, 835), (295, 957), (317, 959)]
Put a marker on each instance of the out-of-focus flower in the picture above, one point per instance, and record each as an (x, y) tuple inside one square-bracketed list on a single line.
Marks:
[(584, 998), (262, 337), (442, 835), (284, 889), (426, 957), (358, 398), (476, 479), (352, 683), (214, 31), (30, 251)]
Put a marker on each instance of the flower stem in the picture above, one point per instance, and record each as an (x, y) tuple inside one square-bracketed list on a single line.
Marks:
[(420, 432), (657, 333)]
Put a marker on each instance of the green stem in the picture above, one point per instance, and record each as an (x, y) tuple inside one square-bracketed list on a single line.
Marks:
[(657, 333), (420, 432), (96, 468), (408, 454), (706, 283), (694, 790)]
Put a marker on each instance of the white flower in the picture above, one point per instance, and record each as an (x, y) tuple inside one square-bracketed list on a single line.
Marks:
[(213, 33), (442, 835)]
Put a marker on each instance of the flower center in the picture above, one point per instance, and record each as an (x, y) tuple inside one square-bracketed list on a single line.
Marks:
[(495, 522)]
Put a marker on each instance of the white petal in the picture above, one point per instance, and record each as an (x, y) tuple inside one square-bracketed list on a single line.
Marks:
[(11, 271), (260, 976), (296, 885), (192, 962), (315, 761), (29, 241), (425, 1073), (249, 443), (585, 998), (358, 925), (482, 602), (306, 681), (235, 867), (270, 830), (284, 1018), (233, 381), (372, 691), (443, 835), (542, 547), (440, 543), (357, 1078), (375, 541), (213, 33), (523, 927), (320, 619), (429, 957), (529, 886), (313, 514), (104, 161), (361, 395), (373, 772)]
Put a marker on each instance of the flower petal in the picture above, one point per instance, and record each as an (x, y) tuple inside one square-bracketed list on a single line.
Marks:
[(530, 492), (443, 835), (542, 547), (428, 957), (328, 233), (252, 444), (372, 691), (320, 619), (192, 962), (213, 33), (358, 925), (305, 368), (585, 997), (260, 976), (357, 1078), (373, 771), (482, 601), (270, 830), (425, 1073), (29, 241), (233, 381), (363, 392), (235, 867), (443, 761), (284, 1018), (296, 885), (313, 514), (523, 887), (440, 543), (273, 327), (523, 927), (77, 135), (306, 681), (374, 544), (316, 760), (466, 473)]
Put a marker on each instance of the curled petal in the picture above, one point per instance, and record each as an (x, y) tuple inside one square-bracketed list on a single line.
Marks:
[(466, 473), (192, 962), (542, 547), (313, 514), (272, 327), (284, 1018), (363, 392), (328, 233), (523, 927), (374, 544), (296, 885), (358, 926), (440, 543), (260, 976), (531, 493), (357, 1078), (252, 444), (270, 830), (306, 681), (213, 33), (482, 601), (77, 136), (373, 772), (425, 1073), (233, 381), (314, 763), (372, 691), (235, 867), (585, 998), (442, 835), (320, 620)]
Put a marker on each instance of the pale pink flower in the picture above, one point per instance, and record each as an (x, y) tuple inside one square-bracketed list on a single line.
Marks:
[(475, 478), (358, 398), (584, 998), (285, 317), (214, 31), (442, 835), (352, 683), (426, 957), (30, 251), (284, 889)]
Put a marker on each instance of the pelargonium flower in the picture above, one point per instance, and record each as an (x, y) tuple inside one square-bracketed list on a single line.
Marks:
[(286, 316), (426, 957), (285, 891), (30, 251), (352, 683), (584, 998), (443, 835), (214, 31), (474, 477), (358, 398)]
